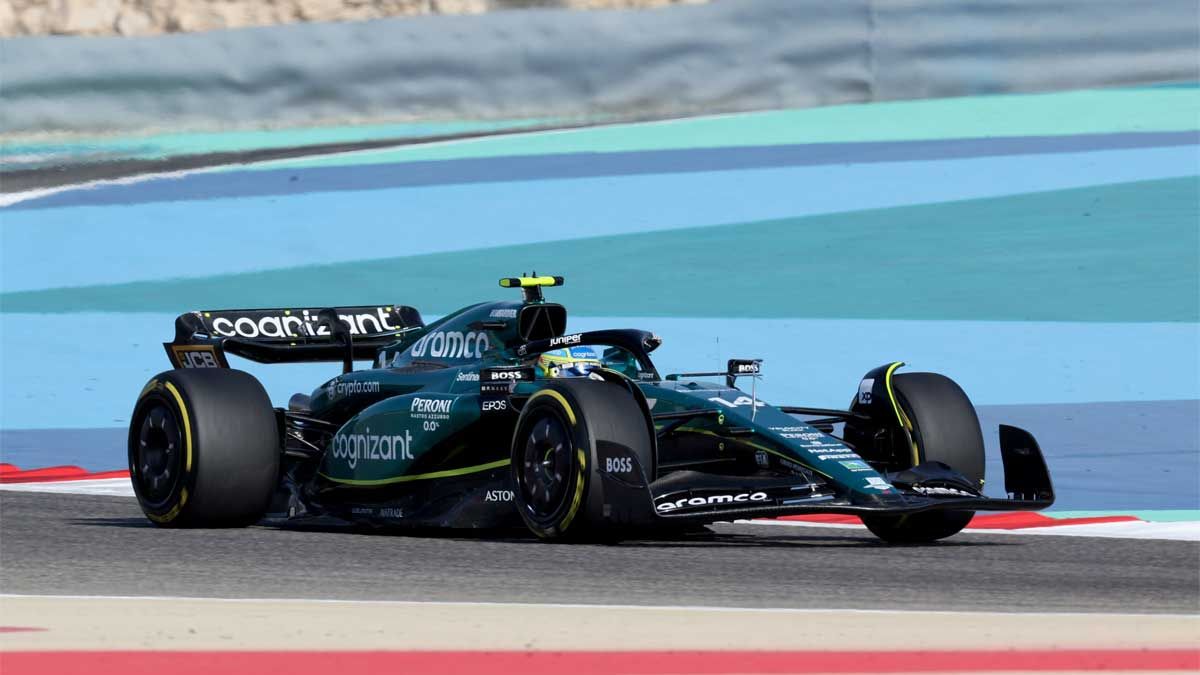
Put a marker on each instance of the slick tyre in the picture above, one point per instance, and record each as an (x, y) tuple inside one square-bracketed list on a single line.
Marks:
[(945, 429), (203, 449), (555, 458)]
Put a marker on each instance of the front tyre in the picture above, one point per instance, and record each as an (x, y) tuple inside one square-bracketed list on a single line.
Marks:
[(555, 469), (944, 428), (203, 449)]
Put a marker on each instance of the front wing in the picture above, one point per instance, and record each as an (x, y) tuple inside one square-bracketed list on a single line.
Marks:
[(1026, 481)]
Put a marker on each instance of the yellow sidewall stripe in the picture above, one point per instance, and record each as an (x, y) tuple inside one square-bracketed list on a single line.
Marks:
[(581, 478), (905, 424), (187, 426), (174, 512), (577, 499), (558, 397), (187, 447)]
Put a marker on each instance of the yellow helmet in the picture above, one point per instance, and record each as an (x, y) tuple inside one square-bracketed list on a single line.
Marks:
[(569, 362)]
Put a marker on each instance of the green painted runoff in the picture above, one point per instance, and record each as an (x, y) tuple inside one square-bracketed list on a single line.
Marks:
[(1119, 253), (1065, 113)]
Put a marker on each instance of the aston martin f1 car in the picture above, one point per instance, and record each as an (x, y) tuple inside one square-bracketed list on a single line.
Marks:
[(496, 416)]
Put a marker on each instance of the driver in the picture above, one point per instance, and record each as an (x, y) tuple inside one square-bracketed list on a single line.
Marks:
[(568, 362)]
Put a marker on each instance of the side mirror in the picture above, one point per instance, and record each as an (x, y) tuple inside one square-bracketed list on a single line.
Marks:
[(736, 368)]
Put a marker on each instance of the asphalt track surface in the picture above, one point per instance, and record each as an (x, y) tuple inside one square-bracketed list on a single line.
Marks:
[(86, 545)]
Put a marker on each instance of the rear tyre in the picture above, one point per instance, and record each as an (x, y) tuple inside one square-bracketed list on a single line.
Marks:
[(945, 429), (554, 455), (203, 449)]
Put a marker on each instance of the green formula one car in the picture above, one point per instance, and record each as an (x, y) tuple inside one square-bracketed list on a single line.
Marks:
[(496, 416)]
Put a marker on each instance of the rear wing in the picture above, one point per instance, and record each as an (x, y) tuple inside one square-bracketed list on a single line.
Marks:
[(287, 335)]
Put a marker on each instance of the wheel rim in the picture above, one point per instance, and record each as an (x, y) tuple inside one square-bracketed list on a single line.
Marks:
[(546, 466), (158, 454)]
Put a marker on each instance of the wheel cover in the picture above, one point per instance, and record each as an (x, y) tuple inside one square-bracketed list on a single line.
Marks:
[(545, 470), (158, 455)]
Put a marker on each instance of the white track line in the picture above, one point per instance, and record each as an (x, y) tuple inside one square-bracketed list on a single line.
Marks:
[(109, 487), (10, 198), (557, 605)]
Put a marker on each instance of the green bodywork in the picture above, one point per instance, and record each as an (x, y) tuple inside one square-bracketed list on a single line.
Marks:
[(417, 415)]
